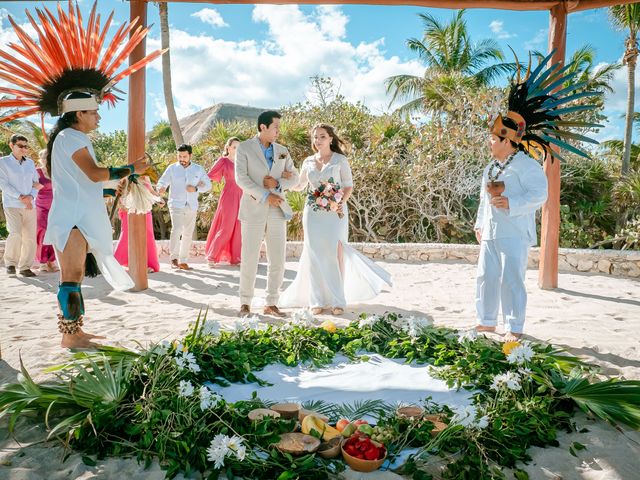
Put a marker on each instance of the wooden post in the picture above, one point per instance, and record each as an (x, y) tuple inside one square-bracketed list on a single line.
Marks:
[(135, 149), (550, 236)]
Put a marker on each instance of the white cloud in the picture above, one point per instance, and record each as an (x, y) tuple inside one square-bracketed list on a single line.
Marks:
[(275, 71), (615, 105), (210, 16), (497, 27), (537, 41)]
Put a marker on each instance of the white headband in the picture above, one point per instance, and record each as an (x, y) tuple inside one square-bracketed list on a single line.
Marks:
[(79, 104)]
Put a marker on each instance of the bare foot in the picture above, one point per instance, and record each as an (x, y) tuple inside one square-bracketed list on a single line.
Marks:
[(483, 328), (337, 310), (317, 310), (89, 335), (78, 340), (511, 337)]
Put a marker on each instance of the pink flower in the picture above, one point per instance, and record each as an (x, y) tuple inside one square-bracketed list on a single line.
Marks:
[(322, 201), (339, 196)]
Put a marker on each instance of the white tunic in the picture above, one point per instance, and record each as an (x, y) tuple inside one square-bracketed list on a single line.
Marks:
[(526, 189), (78, 202)]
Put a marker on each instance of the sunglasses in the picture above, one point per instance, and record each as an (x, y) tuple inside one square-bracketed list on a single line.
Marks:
[(21, 146)]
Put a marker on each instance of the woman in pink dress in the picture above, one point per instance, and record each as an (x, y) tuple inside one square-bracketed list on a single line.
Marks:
[(224, 240), (44, 253), (122, 248)]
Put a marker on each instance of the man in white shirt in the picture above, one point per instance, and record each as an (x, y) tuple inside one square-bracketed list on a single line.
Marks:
[(18, 176), (506, 228), (185, 180)]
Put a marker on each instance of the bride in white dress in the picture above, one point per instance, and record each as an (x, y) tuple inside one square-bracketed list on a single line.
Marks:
[(331, 274)]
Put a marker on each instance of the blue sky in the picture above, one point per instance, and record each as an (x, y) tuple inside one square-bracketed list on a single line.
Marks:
[(264, 55)]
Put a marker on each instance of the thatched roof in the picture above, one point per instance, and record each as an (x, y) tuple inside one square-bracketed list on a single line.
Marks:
[(197, 125)]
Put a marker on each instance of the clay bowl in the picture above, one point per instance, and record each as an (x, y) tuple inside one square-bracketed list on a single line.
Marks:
[(297, 443), (438, 424), (286, 410), (330, 449), (360, 465), (495, 189), (261, 413), (303, 413), (412, 412)]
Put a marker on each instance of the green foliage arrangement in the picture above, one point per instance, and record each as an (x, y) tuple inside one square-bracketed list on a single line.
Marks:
[(156, 403)]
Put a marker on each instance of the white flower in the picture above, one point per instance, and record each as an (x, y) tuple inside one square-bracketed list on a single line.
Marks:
[(185, 388), (211, 327), (187, 360), (468, 417), (524, 371), (216, 455), (467, 336), (303, 317), (162, 348), (483, 422), (207, 398), (369, 321), (414, 326), (464, 416), (508, 380), (222, 445), (239, 326), (241, 452), (253, 323), (521, 354)]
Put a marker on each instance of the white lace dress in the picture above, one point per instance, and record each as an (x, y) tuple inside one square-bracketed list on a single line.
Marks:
[(319, 282)]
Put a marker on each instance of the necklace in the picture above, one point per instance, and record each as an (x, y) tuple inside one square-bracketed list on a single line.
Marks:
[(501, 167), (325, 160)]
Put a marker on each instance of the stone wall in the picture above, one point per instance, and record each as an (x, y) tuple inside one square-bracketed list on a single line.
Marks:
[(608, 262)]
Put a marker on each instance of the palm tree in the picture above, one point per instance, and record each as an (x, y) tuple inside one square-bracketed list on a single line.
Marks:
[(166, 74), (627, 17), (453, 61)]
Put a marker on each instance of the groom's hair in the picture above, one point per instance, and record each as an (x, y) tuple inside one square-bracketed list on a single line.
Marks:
[(266, 118)]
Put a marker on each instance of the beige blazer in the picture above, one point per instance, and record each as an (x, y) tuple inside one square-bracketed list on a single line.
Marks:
[(251, 168)]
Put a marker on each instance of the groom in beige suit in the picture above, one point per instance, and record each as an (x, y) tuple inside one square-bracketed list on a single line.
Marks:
[(264, 170)]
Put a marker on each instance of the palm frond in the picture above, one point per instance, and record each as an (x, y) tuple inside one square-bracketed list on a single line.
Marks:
[(362, 408), (612, 400)]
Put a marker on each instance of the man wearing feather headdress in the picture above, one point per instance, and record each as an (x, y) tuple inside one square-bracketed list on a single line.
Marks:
[(64, 75), (514, 187)]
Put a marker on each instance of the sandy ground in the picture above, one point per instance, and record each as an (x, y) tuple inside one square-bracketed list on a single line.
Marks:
[(596, 317)]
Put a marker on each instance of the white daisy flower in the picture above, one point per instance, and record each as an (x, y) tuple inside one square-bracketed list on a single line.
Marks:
[(509, 380), (467, 336), (185, 388), (521, 354), (207, 398), (211, 327)]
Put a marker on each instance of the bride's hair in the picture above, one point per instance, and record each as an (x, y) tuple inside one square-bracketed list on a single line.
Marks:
[(336, 143)]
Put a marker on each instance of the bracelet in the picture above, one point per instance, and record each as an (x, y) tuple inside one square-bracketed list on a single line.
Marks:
[(116, 173), (69, 327)]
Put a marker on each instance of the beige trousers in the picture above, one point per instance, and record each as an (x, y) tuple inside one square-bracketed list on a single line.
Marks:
[(183, 223), (20, 247), (274, 233)]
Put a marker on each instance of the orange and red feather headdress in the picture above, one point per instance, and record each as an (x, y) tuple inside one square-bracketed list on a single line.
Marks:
[(66, 57)]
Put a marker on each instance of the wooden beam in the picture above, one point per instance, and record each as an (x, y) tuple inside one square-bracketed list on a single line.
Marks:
[(135, 149), (519, 5), (550, 236)]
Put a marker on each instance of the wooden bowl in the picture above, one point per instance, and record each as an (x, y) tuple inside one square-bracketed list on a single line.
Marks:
[(297, 443), (360, 465), (496, 188), (438, 424), (410, 412), (261, 413), (330, 449), (286, 410), (303, 413)]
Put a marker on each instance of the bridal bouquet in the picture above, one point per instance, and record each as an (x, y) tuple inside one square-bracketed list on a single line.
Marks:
[(326, 197)]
